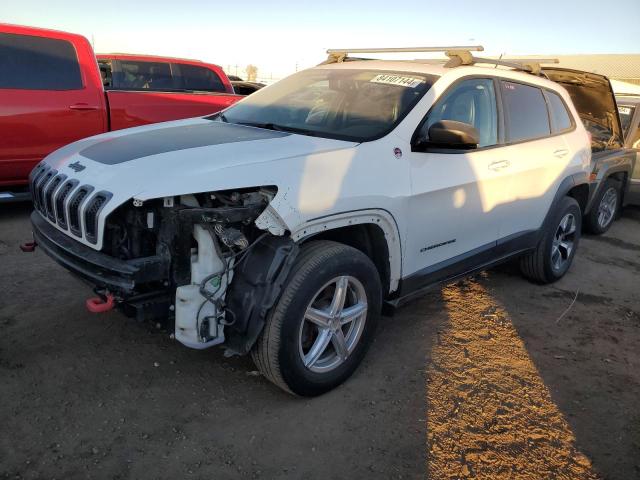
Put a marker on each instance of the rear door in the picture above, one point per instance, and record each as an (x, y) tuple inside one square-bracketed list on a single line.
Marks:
[(536, 156), (145, 92), (47, 100)]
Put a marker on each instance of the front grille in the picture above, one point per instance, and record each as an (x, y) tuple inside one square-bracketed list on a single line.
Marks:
[(48, 195), (91, 215), (61, 211), (75, 204), (61, 201)]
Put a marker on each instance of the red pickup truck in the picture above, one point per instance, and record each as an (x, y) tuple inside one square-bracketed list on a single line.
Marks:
[(54, 91)]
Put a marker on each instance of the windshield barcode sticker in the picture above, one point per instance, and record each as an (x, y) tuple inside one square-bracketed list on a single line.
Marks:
[(409, 82)]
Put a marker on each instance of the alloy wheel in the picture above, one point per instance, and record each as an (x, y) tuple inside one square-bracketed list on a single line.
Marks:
[(607, 207), (333, 324), (563, 242)]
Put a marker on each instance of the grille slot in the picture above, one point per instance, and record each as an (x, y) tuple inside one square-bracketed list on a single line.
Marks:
[(40, 189), (61, 211), (34, 176), (91, 215), (48, 196), (37, 178), (75, 204)]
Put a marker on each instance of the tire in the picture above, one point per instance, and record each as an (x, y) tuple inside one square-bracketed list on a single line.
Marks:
[(542, 264), (284, 353), (605, 208)]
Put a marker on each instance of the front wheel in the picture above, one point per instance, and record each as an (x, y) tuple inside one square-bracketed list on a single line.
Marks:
[(554, 254), (321, 328)]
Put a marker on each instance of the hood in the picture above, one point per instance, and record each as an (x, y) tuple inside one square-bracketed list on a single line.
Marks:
[(183, 157), (172, 159), (593, 97)]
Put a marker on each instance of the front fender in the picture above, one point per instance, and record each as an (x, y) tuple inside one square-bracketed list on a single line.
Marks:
[(379, 217)]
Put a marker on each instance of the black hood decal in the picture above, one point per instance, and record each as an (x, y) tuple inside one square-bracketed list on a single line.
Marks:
[(170, 139)]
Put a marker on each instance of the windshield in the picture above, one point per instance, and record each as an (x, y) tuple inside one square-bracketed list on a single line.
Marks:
[(355, 105)]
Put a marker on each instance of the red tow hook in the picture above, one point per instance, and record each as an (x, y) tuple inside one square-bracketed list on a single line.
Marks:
[(28, 247), (98, 305)]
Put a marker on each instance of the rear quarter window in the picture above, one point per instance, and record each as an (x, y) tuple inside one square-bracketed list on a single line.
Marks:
[(526, 116), (559, 114), (200, 79), (36, 63)]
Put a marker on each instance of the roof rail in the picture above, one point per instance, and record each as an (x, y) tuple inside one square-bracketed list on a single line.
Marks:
[(338, 55)]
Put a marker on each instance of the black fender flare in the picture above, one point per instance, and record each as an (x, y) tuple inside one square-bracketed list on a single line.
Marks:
[(606, 169), (566, 185)]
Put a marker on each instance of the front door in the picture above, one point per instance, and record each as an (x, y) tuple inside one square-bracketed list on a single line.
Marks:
[(457, 195)]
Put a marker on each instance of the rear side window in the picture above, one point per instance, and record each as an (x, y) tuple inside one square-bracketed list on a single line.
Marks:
[(134, 75), (559, 113), (200, 79), (526, 115), (37, 63)]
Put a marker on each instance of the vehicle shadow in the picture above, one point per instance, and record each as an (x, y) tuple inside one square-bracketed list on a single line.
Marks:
[(580, 336)]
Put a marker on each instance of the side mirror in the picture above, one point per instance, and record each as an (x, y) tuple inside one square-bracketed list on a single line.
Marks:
[(452, 134)]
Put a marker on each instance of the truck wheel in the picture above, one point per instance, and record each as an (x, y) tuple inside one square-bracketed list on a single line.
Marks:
[(320, 329), (605, 208), (553, 256)]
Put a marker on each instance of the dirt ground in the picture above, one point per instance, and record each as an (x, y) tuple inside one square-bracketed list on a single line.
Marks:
[(489, 378)]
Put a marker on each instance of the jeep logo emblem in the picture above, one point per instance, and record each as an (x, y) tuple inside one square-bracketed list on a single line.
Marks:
[(76, 166)]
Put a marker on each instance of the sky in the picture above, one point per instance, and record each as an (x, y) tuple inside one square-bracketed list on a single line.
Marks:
[(281, 36)]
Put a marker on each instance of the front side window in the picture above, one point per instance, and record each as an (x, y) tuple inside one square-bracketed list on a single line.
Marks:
[(200, 79), (37, 63), (526, 116), (473, 102), (559, 113), (348, 104), (134, 75)]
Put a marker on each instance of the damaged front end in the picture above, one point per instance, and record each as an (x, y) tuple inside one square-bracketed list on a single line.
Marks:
[(198, 265)]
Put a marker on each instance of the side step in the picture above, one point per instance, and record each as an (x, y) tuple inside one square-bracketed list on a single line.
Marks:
[(11, 197)]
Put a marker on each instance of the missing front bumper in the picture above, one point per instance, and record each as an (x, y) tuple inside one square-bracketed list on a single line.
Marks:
[(126, 278)]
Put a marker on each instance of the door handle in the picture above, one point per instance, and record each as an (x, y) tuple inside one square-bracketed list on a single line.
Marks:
[(499, 165), (82, 107), (560, 153)]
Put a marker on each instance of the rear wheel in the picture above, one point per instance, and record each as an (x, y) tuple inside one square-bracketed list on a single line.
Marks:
[(605, 208), (320, 329), (555, 251)]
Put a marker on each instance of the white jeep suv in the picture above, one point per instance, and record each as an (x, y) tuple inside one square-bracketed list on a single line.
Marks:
[(283, 225)]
